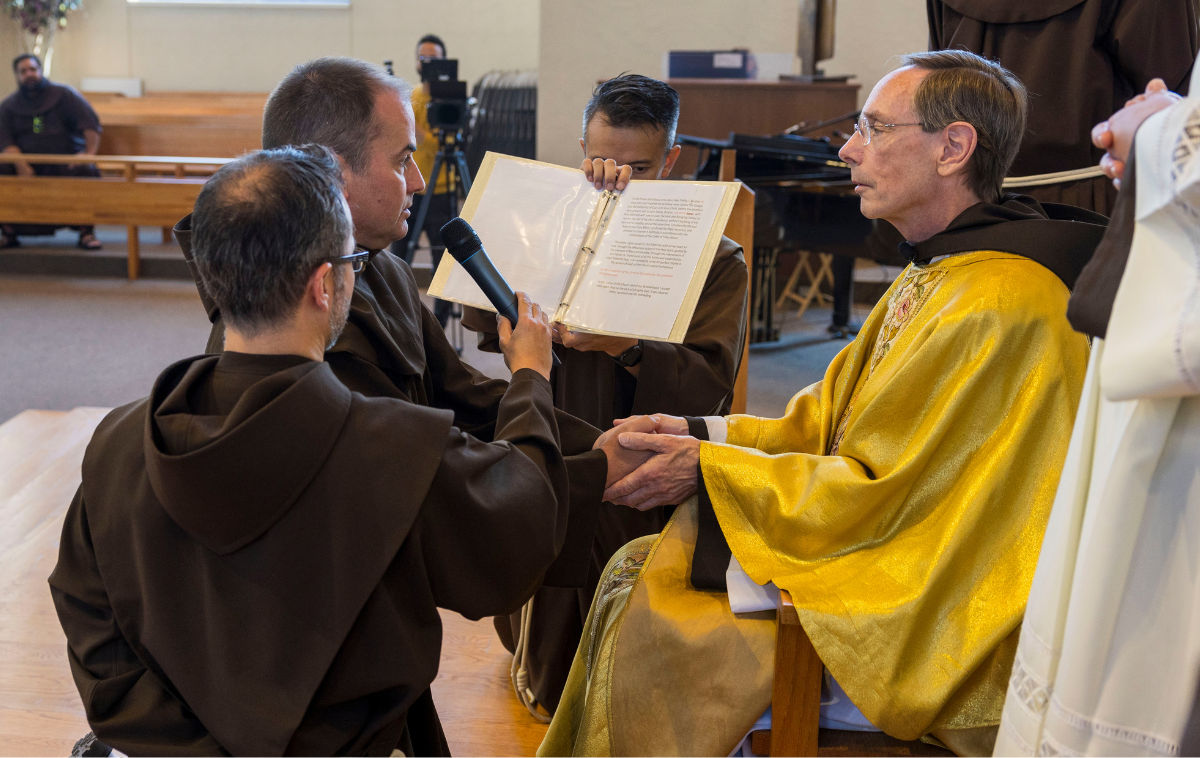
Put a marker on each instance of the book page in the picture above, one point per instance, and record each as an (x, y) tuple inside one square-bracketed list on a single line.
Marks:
[(530, 218), (648, 257)]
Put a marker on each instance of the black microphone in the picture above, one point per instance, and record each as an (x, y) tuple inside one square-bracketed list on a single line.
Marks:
[(463, 243)]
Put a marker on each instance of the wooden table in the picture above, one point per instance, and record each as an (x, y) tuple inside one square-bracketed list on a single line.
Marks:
[(713, 108), (40, 709)]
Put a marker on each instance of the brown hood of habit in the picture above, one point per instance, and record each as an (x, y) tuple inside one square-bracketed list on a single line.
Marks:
[(1012, 11), (227, 479)]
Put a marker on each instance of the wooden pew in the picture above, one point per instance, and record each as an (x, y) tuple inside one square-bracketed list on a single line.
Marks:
[(40, 709), (131, 199), (220, 124)]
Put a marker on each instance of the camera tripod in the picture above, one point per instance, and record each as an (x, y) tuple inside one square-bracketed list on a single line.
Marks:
[(453, 163)]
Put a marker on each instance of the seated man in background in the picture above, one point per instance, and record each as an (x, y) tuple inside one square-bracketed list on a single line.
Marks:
[(392, 345), (47, 118), (901, 501), (628, 132), (254, 560)]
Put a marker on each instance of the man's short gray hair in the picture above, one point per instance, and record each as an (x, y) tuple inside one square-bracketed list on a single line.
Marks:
[(262, 225), (963, 86), (330, 102)]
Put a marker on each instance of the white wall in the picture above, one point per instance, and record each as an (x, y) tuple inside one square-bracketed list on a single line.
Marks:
[(583, 42), (573, 43), (250, 49), (870, 34)]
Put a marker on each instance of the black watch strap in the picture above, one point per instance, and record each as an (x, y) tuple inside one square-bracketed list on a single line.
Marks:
[(631, 357)]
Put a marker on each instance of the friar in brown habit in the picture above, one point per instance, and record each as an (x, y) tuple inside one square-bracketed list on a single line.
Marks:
[(393, 346), (629, 132), (255, 557), (1080, 61)]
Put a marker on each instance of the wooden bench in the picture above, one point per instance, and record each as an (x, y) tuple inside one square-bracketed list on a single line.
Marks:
[(220, 124), (137, 196)]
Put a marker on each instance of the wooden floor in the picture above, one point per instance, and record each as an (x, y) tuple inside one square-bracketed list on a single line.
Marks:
[(40, 712)]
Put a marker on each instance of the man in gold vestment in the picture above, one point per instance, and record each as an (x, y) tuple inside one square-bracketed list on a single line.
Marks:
[(901, 500)]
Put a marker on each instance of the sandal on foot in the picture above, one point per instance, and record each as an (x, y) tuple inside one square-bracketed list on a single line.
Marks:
[(89, 242), (7, 241)]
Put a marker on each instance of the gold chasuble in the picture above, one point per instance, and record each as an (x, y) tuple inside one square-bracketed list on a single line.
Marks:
[(901, 501)]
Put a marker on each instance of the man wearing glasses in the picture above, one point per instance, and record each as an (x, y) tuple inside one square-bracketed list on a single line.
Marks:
[(901, 501), (255, 558)]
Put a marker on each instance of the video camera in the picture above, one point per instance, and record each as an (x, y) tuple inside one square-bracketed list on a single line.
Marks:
[(447, 110)]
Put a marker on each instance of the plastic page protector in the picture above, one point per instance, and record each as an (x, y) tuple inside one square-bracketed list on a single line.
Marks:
[(646, 259), (531, 220)]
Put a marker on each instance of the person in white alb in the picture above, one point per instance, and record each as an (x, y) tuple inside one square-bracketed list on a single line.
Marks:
[(1110, 646)]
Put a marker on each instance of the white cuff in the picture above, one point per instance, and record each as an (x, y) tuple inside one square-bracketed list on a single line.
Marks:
[(718, 430), (744, 595)]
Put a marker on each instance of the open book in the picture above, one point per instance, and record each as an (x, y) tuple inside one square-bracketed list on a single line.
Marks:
[(629, 264)]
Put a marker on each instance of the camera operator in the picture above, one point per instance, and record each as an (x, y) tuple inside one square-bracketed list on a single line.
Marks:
[(429, 48)]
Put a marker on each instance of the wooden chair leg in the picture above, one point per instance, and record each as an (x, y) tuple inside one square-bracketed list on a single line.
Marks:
[(166, 231), (134, 258), (789, 289), (796, 697)]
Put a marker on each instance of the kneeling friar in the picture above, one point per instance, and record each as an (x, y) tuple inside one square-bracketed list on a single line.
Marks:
[(254, 560)]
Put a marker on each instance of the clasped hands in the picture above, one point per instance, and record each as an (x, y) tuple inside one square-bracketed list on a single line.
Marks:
[(652, 461)]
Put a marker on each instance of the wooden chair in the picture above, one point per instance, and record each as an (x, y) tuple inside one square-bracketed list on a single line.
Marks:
[(796, 704), (131, 200)]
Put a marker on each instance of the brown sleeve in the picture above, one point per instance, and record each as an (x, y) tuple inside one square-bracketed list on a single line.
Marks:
[(696, 378), (1091, 301), (1155, 38), (495, 516), (456, 386), (710, 559), (484, 324), (586, 474), (127, 704)]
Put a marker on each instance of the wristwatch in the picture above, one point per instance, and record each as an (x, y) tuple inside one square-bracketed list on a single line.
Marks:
[(631, 357)]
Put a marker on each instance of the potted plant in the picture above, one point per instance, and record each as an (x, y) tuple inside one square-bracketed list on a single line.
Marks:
[(39, 19)]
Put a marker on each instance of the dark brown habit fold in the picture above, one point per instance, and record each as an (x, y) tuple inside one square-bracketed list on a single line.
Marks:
[(1092, 298), (1080, 60), (691, 379), (255, 558)]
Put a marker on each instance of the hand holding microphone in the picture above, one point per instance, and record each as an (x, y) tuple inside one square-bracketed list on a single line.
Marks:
[(525, 339), (527, 345)]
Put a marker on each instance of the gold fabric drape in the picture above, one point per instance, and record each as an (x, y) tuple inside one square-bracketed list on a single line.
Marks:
[(902, 500), (663, 668)]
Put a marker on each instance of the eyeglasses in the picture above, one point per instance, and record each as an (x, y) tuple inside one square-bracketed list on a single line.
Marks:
[(357, 260), (864, 128), (427, 58)]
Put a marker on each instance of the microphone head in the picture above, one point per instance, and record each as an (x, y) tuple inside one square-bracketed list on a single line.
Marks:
[(460, 239)]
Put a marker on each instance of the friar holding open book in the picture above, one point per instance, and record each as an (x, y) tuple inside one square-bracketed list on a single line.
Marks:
[(628, 133)]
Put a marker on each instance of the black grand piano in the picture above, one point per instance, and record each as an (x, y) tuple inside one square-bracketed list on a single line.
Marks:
[(804, 200)]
